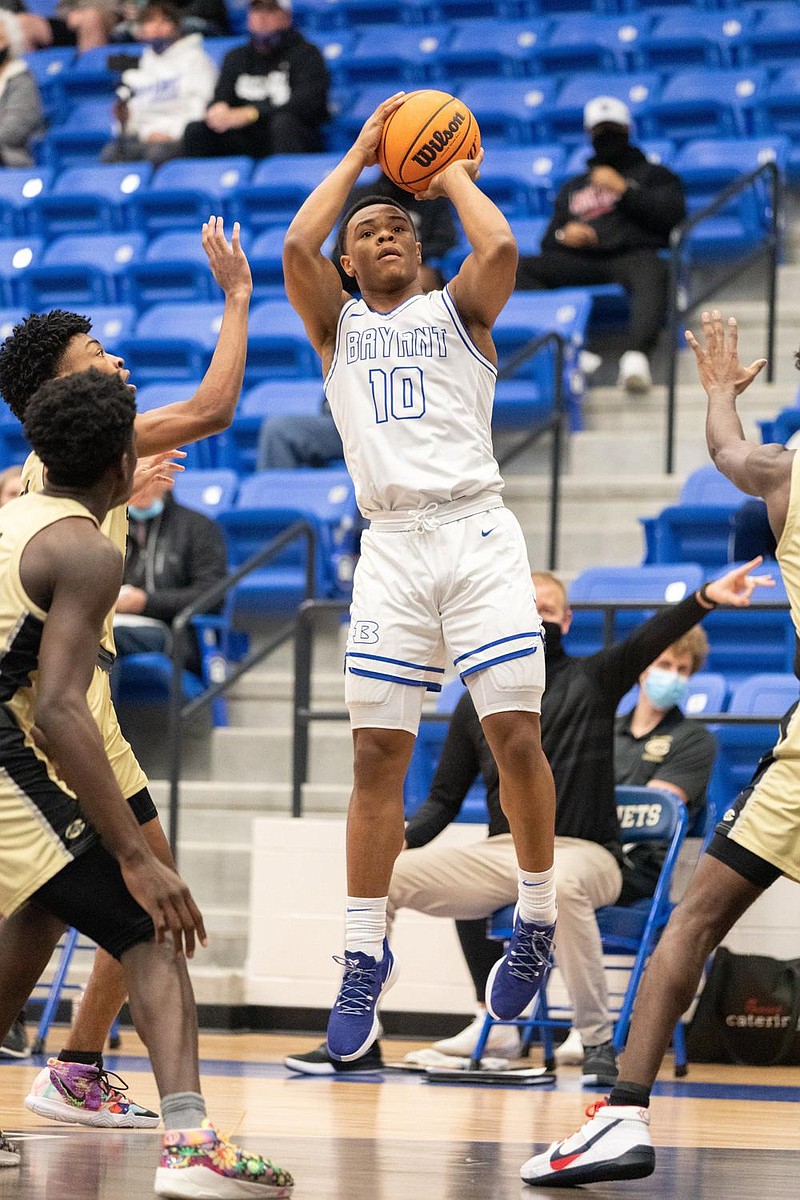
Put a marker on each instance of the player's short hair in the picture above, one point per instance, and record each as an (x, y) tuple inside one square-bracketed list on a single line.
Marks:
[(365, 202), (80, 425), (694, 643), (160, 8), (32, 353), (554, 581)]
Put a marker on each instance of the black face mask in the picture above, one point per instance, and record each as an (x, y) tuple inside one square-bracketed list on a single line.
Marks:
[(552, 639), (610, 145)]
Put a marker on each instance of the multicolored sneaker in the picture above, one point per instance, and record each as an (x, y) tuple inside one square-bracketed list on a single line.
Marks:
[(9, 1154), (522, 971), (353, 1024), (613, 1144), (204, 1164), (83, 1095)]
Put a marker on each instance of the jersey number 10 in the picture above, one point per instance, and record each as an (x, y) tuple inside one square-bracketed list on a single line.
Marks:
[(400, 394)]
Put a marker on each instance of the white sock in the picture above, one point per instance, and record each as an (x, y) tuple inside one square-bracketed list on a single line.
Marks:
[(365, 925), (537, 896)]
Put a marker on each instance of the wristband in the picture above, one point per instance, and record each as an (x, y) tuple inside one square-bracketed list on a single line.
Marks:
[(705, 598)]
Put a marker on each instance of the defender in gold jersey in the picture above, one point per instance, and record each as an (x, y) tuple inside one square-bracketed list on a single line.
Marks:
[(71, 849), (757, 840), (58, 344)]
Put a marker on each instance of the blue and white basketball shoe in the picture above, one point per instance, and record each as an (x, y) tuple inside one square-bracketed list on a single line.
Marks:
[(353, 1024), (522, 971)]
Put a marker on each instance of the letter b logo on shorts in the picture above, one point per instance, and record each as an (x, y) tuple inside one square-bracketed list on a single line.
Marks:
[(365, 633)]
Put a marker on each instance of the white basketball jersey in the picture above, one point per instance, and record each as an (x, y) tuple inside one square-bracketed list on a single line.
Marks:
[(412, 398)]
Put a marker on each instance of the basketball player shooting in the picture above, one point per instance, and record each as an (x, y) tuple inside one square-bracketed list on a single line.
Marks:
[(410, 381)]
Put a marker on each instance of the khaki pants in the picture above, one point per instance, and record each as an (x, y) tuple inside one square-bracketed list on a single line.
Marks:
[(473, 881)]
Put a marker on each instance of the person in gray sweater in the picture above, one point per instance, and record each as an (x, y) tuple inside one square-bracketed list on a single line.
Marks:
[(21, 113)]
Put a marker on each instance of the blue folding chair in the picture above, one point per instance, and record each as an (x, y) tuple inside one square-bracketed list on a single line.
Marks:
[(59, 984), (81, 269), (174, 342), (174, 267), (630, 931), (296, 397), (588, 42), (494, 49), (17, 256), (707, 103), (398, 54), (278, 346), (510, 112), (19, 189), (697, 528), (659, 584), (186, 191), (88, 199), (711, 39)]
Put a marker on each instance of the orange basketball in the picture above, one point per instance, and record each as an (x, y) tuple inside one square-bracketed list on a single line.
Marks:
[(429, 130)]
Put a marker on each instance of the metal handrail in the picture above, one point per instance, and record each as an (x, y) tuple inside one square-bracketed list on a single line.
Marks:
[(679, 306), (179, 712)]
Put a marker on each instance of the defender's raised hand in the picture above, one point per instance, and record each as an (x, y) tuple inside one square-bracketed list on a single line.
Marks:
[(736, 587), (227, 260), (718, 359)]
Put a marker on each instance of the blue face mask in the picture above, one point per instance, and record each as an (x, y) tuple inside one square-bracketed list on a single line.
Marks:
[(146, 514), (264, 42), (159, 44), (664, 689)]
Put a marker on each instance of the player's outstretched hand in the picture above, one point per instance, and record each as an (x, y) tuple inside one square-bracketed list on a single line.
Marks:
[(718, 360), (167, 900), (737, 586), (157, 466), (471, 167), (227, 260), (367, 141)]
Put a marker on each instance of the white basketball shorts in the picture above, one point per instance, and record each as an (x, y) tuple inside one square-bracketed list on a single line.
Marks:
[(465, 585)]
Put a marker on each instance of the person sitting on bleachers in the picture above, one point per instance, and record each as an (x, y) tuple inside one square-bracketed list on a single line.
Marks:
[(271, 95), (174, 553), (21, 113), (170, 87), (208, 17), (608, 225), (10, 484), (84, 24)]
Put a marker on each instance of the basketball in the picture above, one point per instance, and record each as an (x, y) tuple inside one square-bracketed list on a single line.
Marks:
[(429, 130)]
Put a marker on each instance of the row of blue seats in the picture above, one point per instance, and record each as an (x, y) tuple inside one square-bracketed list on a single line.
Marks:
[(700, 526)]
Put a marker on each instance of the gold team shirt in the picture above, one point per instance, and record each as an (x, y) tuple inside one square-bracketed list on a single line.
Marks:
[(41, 826), (115, 527)]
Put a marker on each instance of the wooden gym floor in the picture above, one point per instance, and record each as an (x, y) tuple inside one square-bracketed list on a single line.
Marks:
[(726, 1132)]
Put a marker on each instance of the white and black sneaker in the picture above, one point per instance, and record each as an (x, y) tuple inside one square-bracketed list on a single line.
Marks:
[(600, 1067), (319, 1062), (613, 1144)]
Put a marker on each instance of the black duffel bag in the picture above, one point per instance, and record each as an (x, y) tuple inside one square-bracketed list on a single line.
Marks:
[(748, 1012)]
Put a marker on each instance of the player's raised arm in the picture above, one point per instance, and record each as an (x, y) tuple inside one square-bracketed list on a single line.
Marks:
[(312, 281), (211, 408), (756, 469), (488, 274)]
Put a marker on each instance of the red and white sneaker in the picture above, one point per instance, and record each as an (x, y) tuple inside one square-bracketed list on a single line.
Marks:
[(613, 1144)]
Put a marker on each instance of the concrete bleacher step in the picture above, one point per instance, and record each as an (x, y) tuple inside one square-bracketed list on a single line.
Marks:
[(210, 809), (252, 754)]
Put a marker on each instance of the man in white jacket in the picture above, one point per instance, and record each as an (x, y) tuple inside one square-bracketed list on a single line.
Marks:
[(171, 86)]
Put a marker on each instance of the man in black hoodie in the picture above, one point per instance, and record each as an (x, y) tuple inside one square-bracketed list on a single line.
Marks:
[(608, 226), (271, 95)]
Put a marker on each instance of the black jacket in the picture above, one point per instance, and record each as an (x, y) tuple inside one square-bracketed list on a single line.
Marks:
[(292, 76), (578, 713), (641, 218)]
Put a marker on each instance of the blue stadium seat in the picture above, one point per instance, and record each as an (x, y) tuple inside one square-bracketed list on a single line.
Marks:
[(278, 346), (279, 186), (14, 446), (697, 528), (88, 199), (707, 166), (207, 454), (778, 112), (520, 181), (268, 503), (739, 747), (745, 641), (111, 324), (78, 142), (211, 492), (399, 54), (47, 67), (17, 256), (19, 188), (708, 693), (707, 103), (266, 263), (186, 191), (174, 267), (174, 342), (376, 13), (695, 38), (88, 75), (588, 42), (81, 269), (658, 584), (509, 111), (494, 49), (774, 35), (529, 232), (564, 119), (335, 46), (297, 397)]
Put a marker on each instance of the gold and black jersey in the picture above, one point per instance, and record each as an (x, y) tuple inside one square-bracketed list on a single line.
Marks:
[(42, 828)]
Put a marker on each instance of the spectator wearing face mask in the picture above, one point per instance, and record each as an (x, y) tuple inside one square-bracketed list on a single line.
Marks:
[(170, 87), (21, 114), (272, 93), (608, 225)]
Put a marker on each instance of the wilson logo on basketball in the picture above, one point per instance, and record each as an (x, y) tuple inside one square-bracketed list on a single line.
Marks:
[(430, 151)]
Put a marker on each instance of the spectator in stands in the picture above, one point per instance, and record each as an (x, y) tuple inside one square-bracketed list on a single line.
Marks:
[(208, 17), (84, 24), (271, 95), (471, 882), (608, 225), (170, 87), (21, 113), (10, 484), (173, 555)]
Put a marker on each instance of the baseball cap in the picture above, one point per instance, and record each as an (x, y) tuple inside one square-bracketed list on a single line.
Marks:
[(606, 108), (286, 5)]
